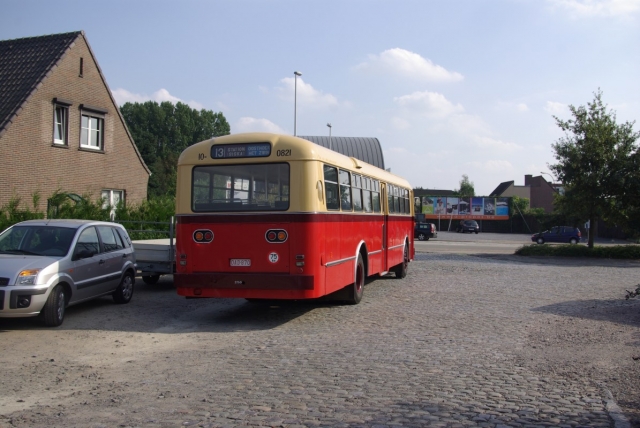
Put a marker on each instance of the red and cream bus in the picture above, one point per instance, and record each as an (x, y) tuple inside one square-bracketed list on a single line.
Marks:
[(265, 216)]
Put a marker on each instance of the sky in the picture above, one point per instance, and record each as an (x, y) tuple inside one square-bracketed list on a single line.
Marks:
[(449, 88)]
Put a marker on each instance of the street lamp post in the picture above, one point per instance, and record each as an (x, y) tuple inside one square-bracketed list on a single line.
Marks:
[(295, 98), (329, 125), (546, 173)]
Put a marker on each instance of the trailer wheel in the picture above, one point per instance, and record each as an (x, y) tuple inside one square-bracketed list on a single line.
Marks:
[(150, 279)]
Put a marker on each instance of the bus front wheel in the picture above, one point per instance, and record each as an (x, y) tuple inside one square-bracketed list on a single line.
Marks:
[(357, 288)]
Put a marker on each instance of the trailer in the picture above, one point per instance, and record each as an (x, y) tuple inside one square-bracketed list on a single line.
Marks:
[(154, 257)]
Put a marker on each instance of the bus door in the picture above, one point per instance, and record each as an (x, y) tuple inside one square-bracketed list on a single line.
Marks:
[(385, 226)]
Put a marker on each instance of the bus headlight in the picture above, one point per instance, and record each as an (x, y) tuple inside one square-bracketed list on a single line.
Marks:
[(28, 277)]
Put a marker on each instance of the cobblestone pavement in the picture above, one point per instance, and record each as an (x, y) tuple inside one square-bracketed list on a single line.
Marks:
[(443, 348)]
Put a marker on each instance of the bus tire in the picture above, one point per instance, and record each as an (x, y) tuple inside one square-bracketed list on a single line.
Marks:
[(401, 269), (357, 288)]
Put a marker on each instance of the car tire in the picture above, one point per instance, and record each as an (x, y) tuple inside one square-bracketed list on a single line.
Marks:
[(54, 307), (421, 236), (357, 288), (573, 241), (540, 241), (476, 232), (150, 279), (124, 292), (401, 269)]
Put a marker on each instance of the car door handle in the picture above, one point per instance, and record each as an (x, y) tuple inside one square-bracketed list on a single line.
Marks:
[(101, 262)]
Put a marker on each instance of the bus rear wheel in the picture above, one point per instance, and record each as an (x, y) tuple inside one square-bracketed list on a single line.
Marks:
[(357, 288), (401, 269)]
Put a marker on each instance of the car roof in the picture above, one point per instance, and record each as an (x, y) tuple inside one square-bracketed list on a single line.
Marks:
[(70, 223)]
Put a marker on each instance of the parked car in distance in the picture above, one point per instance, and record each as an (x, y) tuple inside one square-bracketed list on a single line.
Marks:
[(47, 265), (566, 234), (470, 226), (424, 231)]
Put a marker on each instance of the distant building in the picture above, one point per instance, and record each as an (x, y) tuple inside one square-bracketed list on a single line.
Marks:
[(538, 190), (60, 127)]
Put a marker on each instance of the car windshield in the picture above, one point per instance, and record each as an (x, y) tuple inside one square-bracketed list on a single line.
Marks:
[(37, 240)]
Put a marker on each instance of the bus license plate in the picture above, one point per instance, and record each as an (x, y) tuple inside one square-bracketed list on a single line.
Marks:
[(240, 262)]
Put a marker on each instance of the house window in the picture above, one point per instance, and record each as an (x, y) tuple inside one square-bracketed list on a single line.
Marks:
[(60, 125), (92, 130), (111, 198)]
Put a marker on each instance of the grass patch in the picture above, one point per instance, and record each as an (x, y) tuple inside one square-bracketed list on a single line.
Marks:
[(629, 252)]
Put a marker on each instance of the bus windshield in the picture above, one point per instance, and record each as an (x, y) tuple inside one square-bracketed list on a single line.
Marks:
[(250, 187)]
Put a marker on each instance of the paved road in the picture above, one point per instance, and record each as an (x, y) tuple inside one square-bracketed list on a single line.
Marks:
[(441, 348), (484, 243)]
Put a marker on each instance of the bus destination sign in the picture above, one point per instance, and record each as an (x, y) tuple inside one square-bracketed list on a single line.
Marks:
[(251, 150)]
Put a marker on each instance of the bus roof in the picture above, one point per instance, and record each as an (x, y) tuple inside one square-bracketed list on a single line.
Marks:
[(364, 148), (200, 154)]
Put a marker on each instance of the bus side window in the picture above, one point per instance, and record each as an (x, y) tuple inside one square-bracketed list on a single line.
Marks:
[(390, 198), (407, 207), (331, 187), (396, 199), (375, 197), (366, 195), (345, 190), (356, 192)]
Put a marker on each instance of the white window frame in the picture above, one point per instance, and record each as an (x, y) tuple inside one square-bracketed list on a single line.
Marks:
[(61, 125), (87, 131), (111, 198)]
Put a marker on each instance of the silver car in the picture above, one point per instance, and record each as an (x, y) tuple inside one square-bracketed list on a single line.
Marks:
[(47, 265)]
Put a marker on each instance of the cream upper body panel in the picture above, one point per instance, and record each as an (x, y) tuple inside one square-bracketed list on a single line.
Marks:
[(200, 154), (304, 157)]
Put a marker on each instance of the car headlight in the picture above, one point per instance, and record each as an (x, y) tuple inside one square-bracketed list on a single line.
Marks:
[(28, 277)]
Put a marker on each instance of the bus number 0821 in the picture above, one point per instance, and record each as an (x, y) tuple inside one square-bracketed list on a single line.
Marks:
[(286, 152)]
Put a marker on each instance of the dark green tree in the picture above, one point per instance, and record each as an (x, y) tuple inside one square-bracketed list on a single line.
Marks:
[(162, 131), (466, 187), (595, 163)]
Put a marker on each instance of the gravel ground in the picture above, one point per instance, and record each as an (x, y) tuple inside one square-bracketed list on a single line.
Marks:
[(463, 341)]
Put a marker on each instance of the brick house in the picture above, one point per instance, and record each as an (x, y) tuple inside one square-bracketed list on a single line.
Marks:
[(538, 190), (60, 127)]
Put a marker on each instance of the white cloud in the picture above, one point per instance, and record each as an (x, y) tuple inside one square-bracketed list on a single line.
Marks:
[(432, 104), (555, 108), (522, 107), (580, 8), (400, 123), (404, 63), (493, 144), (493, 166), (123, 96), (307, 95), (251, 124)]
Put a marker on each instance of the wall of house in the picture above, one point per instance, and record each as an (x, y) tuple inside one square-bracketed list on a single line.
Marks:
[(519, 191), (541, 193), (29, 161)]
